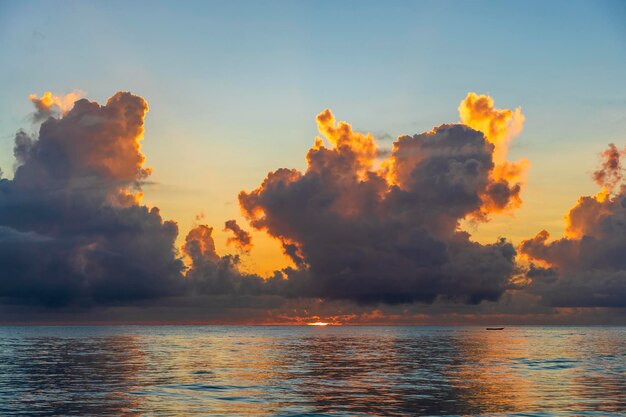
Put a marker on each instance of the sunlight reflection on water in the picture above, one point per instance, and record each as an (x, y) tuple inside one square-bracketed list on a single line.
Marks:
[(213, 370)]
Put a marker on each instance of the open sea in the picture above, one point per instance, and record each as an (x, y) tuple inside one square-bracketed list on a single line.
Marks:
[(288, 371)]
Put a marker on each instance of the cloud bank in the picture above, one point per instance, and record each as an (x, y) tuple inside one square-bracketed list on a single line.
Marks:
[(373, 236)]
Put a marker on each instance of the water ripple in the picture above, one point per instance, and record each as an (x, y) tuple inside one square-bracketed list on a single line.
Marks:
[(289, 371)]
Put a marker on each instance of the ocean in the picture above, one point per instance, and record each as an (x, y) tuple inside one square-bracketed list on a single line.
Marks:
[(291, 370)]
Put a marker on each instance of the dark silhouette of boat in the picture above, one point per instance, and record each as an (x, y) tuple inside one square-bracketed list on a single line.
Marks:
[(495, 328)]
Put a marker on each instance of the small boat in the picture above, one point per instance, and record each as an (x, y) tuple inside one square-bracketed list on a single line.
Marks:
[(495, 328)]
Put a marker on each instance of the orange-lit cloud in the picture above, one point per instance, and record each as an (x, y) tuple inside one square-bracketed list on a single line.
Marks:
[(342, 136), (369, 236), (587, 217), (500, 127), (98, 142), (587, 267), (199, 243), (49, 104), (387, 234), (73, 230)]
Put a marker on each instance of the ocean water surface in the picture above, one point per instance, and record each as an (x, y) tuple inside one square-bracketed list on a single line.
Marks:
[(341, 371)]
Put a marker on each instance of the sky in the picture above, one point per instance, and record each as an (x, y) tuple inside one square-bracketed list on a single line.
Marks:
[(234, 89)]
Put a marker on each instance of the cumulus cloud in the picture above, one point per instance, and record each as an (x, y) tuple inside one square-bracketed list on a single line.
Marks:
[(587, 266), (51, 105), (389, 234), (367, 231), (72, 228), (213, 274), (500, 127), (241, 239)]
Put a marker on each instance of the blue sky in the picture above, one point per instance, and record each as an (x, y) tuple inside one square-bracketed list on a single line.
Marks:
[(234, 87)]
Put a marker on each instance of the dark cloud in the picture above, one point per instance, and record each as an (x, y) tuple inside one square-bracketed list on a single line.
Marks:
[(213, 274), (241, 239), (72, 230), (367, 231), (611, 173), (587, 267), (390, 234)]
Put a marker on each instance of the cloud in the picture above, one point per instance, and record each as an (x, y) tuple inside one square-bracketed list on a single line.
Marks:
[(72, 231), (241, 239), (388, 234), (50, 105), (212, 274), (611, 172), (368, 231), (587, 267), (500, 127)]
